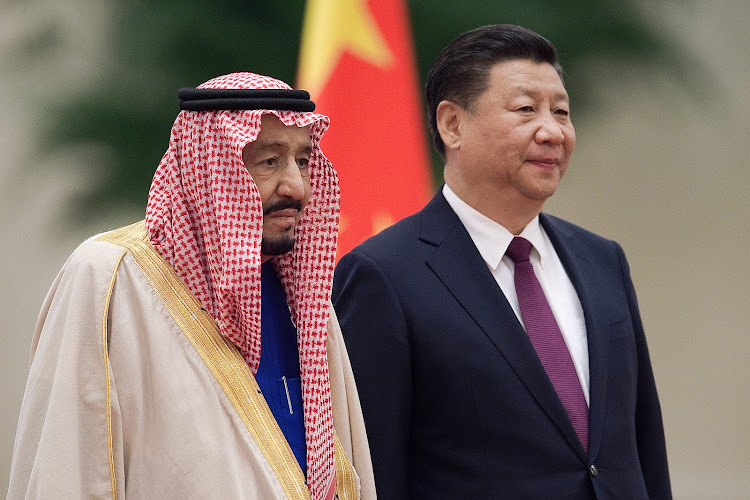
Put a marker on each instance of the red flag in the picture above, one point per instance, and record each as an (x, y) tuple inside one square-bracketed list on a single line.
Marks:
[(357, 61)]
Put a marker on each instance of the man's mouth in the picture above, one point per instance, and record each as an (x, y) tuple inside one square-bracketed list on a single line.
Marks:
[(547, 161), (285, 206)]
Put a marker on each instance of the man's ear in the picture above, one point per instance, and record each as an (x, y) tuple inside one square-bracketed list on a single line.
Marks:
[(448, 117)]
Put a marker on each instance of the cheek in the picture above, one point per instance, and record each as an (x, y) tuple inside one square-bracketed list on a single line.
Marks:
[(570, 139), (568, 153), (563, 169), (308, 191), (265, 187)]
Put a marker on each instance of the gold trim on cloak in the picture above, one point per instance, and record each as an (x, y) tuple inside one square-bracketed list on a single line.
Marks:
[(228, 367), (105, 347)]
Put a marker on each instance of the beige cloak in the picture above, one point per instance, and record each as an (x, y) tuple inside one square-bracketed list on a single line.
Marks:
[(133, 393)]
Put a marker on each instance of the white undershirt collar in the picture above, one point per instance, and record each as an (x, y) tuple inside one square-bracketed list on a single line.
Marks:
[(490, 238)]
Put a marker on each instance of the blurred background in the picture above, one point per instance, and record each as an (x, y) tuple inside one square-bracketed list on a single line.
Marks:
[(660, 93)]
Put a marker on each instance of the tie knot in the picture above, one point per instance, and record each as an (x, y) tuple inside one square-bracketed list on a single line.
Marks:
[(519, 250)]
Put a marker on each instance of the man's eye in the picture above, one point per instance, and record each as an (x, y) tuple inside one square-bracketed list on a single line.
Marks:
[(562, 112), (270, 162), (303, 162), (526, 108)]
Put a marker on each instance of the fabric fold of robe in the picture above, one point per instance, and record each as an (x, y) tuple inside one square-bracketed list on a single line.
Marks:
[(133, 392)]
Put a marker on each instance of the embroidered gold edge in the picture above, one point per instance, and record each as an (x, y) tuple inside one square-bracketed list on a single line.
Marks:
[(221, 357), (346, 478), (105, 330)]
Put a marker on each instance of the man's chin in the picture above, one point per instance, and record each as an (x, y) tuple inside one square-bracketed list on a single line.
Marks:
[(278, 245)]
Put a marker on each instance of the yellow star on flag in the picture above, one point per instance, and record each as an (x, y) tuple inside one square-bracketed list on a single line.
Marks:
[(332, 27), (381, 220)]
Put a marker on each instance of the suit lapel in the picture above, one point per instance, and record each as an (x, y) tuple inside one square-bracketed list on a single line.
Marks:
[(578, 263), (460, 267)]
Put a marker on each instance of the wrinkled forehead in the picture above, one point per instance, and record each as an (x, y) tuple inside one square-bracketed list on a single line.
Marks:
[(243, 127), (239, 127), (273, 131)]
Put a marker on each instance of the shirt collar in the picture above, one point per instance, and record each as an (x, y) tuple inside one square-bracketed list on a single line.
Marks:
[(490, 238)]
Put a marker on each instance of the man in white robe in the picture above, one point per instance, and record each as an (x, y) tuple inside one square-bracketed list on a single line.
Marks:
[(144, 361)]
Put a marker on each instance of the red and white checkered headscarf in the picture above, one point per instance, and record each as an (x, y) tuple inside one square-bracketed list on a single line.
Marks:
[(205, 217)]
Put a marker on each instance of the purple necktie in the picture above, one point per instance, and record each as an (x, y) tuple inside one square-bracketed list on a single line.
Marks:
[(547, 339)]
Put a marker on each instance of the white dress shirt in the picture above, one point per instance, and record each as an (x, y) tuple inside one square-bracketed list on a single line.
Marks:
[(492, 240)]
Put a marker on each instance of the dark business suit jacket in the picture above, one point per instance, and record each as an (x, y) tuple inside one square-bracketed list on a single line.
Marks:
[(455, 399)]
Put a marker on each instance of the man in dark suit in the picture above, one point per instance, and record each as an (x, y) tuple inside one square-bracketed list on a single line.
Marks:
[(499, 351)]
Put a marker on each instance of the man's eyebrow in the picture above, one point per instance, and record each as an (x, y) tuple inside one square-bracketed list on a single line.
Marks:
[(531, 92), (262, 146), (268, 145)]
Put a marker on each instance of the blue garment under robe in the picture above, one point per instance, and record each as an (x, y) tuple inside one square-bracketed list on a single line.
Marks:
[(278, 372)]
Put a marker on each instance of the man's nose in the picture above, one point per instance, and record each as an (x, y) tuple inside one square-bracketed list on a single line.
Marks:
[(550, 130), (291, 183)]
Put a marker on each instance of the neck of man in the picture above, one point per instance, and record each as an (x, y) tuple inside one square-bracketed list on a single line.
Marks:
[(514, 218), (506, 207)]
